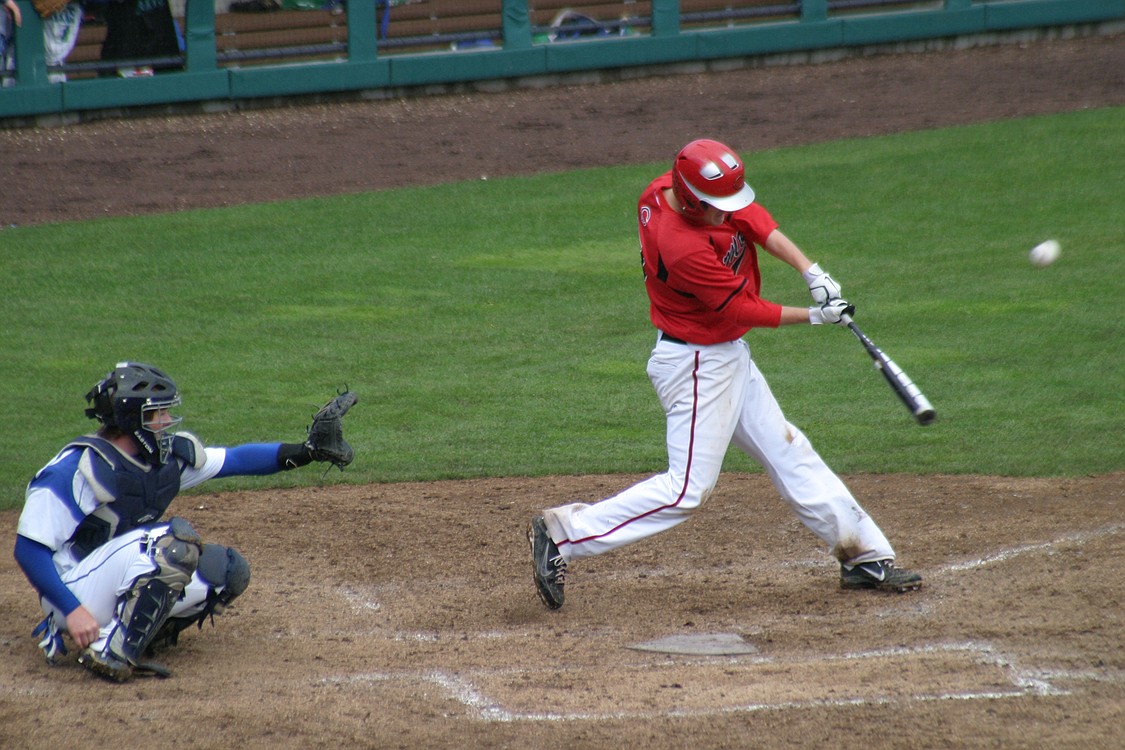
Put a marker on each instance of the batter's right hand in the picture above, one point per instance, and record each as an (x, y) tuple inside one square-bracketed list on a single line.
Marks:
[(82, 626), (832, 311), (822, 286)]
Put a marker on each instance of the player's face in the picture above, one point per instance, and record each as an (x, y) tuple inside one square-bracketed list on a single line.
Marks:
[(158, 420), (712, 216)]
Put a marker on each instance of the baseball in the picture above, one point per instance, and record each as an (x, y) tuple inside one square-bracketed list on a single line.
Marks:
[(1045, 253)]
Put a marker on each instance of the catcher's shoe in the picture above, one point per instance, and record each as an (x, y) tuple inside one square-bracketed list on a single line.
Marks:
[(547, 563), (881, 575), (105, 664)]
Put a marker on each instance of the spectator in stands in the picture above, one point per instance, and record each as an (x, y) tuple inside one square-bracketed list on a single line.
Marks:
[(60, 34), (10, 18), (61, 21), (139, 30)]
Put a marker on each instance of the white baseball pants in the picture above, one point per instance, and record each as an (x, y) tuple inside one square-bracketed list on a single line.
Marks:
[(714, 396), (103, 576)]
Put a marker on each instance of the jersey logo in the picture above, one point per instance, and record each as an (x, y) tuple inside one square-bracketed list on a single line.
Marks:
[(646, 215), (735, 253)]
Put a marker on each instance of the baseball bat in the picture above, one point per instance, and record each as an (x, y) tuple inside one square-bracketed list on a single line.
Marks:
[(898, 380)]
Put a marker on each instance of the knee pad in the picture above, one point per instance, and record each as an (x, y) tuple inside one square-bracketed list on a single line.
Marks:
[(176, 552), (227, 575), (226, 572)]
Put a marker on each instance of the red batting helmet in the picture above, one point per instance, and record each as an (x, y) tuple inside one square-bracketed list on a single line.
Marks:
[(709, 172)]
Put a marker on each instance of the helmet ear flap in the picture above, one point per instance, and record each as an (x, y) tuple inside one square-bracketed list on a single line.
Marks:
[(101, 399), (692, 206)]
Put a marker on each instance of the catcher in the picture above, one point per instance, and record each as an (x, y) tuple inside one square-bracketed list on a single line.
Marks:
[(108, 571)]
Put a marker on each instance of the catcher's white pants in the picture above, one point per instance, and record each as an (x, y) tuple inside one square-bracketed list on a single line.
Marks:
[(714, 396), (108, 572)]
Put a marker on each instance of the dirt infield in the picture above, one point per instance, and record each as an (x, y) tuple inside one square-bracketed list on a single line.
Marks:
[(171, 163), (418, 627), (403, 615)]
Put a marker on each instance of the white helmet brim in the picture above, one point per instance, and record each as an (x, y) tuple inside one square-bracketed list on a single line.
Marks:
[(728, 203)]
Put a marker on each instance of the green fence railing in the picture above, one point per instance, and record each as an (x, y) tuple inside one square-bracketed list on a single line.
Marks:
[(361, 45)]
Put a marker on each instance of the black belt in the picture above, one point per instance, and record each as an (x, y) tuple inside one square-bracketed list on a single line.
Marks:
[(672, 339)]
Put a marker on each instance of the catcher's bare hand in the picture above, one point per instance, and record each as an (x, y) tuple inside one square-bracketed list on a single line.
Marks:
[(326, 434)]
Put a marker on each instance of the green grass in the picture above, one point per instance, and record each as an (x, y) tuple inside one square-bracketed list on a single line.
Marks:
[(499, 328)]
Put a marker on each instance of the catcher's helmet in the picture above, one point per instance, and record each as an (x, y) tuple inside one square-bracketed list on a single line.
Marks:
[(709, 172), (124, 398)]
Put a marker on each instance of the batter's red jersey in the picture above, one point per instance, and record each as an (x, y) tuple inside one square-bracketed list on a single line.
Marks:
[(703, 282)]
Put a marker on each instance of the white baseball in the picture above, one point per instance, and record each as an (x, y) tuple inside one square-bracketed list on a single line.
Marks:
[(1045, 253)]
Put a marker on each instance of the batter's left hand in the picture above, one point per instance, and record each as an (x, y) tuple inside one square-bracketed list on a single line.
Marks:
[(833, 311), (822, 286)]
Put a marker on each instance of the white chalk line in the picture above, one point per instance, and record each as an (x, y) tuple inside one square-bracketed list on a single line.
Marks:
[(1078, 537), (1003, 555), (360, 601), (1024, 682)]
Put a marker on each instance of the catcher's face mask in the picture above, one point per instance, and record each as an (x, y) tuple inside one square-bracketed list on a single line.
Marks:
[(158, 421)]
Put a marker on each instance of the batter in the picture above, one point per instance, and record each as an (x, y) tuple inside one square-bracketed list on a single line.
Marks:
[(699, 231)]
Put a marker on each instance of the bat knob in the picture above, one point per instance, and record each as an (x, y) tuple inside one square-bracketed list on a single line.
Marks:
[(925, 416)]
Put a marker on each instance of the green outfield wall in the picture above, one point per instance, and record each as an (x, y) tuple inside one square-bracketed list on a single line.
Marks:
[(667, 34)]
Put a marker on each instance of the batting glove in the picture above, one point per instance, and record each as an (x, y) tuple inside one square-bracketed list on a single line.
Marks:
[(822, 286), (832, 311)]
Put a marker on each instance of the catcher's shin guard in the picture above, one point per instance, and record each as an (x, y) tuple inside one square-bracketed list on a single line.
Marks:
[(144, 611), (147, 604)]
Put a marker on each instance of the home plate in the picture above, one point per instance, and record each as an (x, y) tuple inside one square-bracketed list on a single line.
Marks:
[(707, 644)]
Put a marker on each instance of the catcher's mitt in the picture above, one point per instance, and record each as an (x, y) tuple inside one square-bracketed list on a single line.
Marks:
[(326, 435)]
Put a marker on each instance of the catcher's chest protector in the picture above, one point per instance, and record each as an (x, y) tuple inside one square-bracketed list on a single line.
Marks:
[(130, 495)]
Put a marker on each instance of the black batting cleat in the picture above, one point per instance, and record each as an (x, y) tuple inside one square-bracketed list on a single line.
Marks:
[(881, 575), (547, 564)]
